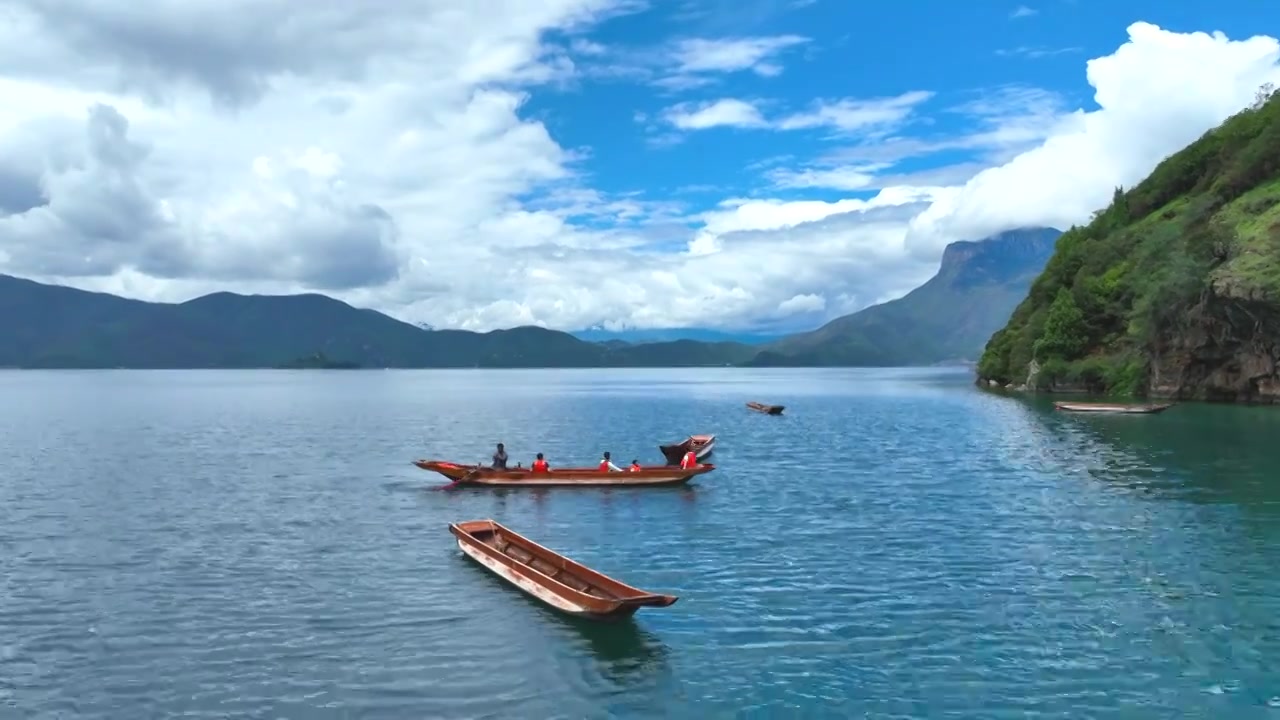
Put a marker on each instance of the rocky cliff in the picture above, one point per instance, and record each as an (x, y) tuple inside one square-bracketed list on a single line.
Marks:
[(1173, 290), (947, 319)]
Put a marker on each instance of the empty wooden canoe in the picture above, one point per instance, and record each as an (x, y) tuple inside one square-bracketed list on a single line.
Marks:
[(1090, 407), (549, 576), (701, 445), (652, 476), (766, 409)]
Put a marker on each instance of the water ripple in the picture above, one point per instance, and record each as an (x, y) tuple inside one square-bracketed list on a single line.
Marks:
[(896, 545)]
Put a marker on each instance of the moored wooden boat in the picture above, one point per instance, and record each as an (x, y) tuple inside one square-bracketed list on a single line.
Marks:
[(549, 576), (701, 445), (563, 477), (1096, 407), (766, 409)]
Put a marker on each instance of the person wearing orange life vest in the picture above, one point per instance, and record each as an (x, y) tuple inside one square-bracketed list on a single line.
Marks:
[(540, 465), (606, 465), (635, 466), (688, 461)]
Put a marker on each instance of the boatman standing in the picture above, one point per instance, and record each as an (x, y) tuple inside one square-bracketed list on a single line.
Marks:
[(688, 461), (606, 465), (500, 458)]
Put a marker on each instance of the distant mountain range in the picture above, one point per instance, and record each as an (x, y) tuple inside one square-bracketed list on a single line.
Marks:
[(650, 335), (948, 318)]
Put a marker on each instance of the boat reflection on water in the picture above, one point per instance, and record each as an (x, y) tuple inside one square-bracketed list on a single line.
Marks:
[(626, 654)]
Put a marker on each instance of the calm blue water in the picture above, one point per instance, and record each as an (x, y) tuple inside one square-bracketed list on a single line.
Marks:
[(899, 544)]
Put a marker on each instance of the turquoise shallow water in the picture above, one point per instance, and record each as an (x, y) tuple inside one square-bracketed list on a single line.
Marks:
[(899, 544)]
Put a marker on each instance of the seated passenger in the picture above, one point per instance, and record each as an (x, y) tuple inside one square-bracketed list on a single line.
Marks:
[(540, 465), (606, 465), (688, 461)]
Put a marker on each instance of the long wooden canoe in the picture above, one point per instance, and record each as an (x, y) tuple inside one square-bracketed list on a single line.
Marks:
[(701, 445), (1091, 407), (563, 477), (766, 409), (549, 576)]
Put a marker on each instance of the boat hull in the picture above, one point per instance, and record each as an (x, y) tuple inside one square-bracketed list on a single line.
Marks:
[(702, 446), (766, 409), (1112, 409), (564, 477), (549, 577)]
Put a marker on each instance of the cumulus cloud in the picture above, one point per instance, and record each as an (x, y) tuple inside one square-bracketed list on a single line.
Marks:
[(1157, 93), (385, 154)]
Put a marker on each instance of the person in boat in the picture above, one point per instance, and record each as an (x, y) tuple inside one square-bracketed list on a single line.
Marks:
[(500, 458), (540, 465), (606, 465), (690, 460), (635, 466)]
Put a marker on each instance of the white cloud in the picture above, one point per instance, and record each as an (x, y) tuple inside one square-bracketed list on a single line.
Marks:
[(727, 112), (381, 154), (1035, 52), (855, 115), (1157, 93), (699, 55), (689, 63), (1004, 122), (1023, 11), (848, 115), (855, 177)]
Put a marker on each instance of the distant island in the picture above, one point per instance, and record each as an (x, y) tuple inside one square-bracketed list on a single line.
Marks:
[(1173, 290), (946, 320), (318, 361)]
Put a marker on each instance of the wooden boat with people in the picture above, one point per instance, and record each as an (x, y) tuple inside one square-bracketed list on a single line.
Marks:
[(1112, 408), (651, 476), (701, 445), (766, 409), (550, 577)]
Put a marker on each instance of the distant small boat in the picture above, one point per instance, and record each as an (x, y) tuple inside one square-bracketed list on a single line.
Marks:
[(652, 476), (549, 576), (766, 409), (701, 445), (1114, 408)]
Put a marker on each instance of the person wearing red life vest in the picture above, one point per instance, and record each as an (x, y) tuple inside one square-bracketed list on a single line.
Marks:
[(688, 461), (606, 465), (635, 466), (540, 465)]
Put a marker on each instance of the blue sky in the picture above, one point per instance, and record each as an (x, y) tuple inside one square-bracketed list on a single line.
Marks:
[(760, 165), (959, 51)]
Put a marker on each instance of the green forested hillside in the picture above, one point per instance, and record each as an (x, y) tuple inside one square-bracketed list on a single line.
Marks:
[(1173, 289), (50, 326)]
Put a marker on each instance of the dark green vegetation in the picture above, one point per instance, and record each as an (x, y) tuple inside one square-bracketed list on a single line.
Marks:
[(1173, 290), (948, 318), (48, 326)]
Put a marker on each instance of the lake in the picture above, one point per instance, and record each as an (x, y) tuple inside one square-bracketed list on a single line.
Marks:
[(898, 544)]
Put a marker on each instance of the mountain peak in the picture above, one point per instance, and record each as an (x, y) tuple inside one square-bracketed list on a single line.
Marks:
[(978, 285), (1022, 244), (1000, 258)]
